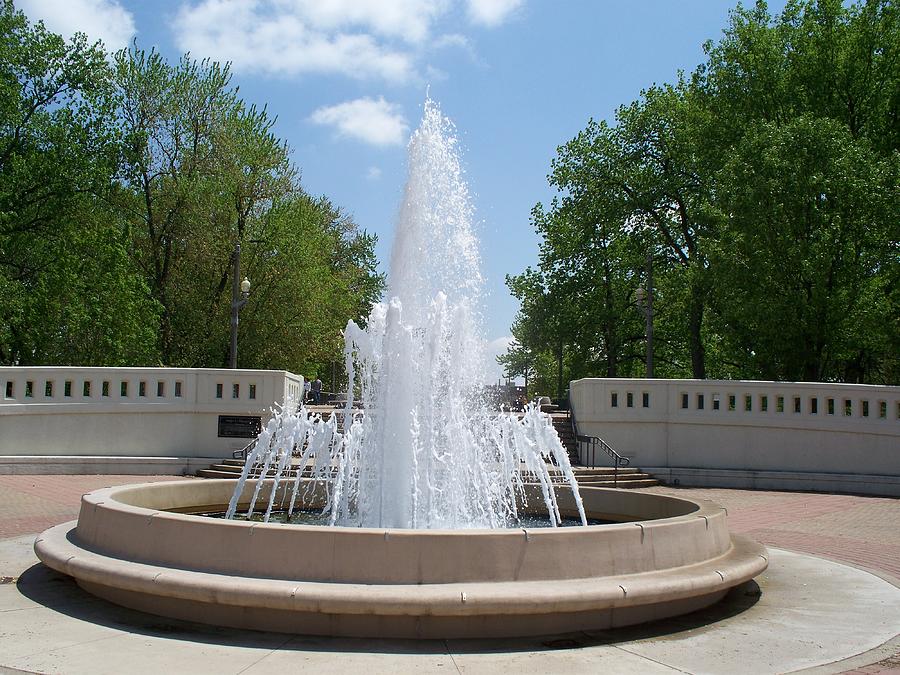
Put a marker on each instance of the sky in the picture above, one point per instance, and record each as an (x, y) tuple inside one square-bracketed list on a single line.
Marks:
[(347, 80)]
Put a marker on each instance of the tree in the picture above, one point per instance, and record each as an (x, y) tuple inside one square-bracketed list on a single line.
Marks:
[(626, 191), (172, 117), (649, 184), (801, 263), (519, 361), (125, 185), (763, 186), (314, 272), (69, 293), (206, 172)]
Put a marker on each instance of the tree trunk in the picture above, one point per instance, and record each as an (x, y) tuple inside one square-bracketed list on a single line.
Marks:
[(609, 325), (695, 337), (559, 377)]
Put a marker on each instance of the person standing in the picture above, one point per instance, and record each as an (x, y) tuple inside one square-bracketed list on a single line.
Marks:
[(307, 385), (316, 388)]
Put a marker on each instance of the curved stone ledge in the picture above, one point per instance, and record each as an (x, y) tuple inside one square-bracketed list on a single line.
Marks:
[(412, 583), (127, 522), (744, 560)]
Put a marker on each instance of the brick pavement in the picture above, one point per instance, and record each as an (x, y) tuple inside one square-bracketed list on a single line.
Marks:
[(34, 503), (862, 531)]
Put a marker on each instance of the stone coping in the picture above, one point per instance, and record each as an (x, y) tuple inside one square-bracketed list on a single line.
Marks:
[(132, 522)]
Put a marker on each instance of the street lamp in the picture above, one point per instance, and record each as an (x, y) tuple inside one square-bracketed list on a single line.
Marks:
[(240, 291), (644, 301)]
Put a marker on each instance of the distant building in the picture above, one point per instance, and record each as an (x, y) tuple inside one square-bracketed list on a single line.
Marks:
[(503, 395)]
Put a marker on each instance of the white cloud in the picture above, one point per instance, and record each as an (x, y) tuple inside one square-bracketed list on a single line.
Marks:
[(409, 20), (357, 38), (491, 12), (452, 40), (281, 38), (433, 74), (373, 173), (103, 20), (376, 122), (499, 345)]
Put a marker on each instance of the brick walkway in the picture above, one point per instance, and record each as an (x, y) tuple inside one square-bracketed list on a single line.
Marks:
[(862, 531), (34, 503)]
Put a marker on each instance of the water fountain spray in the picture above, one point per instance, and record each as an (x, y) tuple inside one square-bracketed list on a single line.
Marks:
[(426, 452)]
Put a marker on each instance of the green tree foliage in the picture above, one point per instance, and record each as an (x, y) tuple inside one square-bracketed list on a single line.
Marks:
[(802, 286), (68, 293), (171, 117), (764, 189), (207, 173), (311, 271), (126, 183)]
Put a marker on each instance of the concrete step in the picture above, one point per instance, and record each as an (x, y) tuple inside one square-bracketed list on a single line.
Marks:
[(631, 480), (631, 475), (231, 471), (621, 484), (236, 466), (212, 473), (230, 468), (602, 470)]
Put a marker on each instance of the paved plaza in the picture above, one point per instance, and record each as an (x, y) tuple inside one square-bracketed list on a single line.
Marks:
[(829, 602)]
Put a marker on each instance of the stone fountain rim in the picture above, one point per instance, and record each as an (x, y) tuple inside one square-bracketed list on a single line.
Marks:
[(369, 582), (744, 560), (101, 496)]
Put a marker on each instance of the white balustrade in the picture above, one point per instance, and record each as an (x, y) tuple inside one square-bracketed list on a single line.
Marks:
[(688, 427), (130, 412)]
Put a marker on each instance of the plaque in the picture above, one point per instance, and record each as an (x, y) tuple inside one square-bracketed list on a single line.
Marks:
[(239, 426)]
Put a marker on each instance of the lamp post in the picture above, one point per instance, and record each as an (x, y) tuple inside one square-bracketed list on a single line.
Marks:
[(644, 301), (240, 291)]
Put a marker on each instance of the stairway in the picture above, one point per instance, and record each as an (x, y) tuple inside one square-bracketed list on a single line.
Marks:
[(563, 425), (232, 468), (628, 477), (229, 468), (597, 477)]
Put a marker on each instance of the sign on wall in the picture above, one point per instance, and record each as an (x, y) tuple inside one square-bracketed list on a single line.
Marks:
[(239, 426)]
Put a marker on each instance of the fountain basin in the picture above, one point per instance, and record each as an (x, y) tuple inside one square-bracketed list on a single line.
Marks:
[(669, 556)]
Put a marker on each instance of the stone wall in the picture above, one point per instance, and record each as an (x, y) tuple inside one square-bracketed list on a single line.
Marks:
[(748, 434), (51, 414)]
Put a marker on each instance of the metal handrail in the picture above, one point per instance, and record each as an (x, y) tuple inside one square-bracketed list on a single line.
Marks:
[(618, 459), (243, 452), (594, 442)]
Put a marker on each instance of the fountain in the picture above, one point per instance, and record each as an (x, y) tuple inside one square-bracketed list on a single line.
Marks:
[(423, 491), (426, 454)]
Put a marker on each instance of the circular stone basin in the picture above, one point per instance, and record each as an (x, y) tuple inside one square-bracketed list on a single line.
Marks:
[(664, 556)]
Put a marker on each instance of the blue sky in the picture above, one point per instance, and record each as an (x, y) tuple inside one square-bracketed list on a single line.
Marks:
[(347, 78)]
